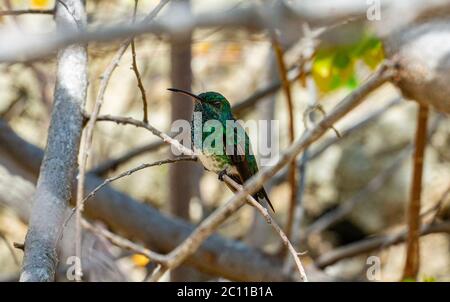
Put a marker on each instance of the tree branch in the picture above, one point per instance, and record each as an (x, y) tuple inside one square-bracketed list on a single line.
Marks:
[(56, 175), (128, 173), (292, 169), (136, 71), (27, 11), (368, 245), (111, 164), (275, 226), (412, 263), (328, 142)]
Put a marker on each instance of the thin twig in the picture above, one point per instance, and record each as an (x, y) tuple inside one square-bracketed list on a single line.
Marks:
[(111, 164), (282, 71), (130, 121), (19, 246), (413, 250), (346, 207), (124, 243), (86, 148), (298, 209), (128, 173), (437, 208), (372, 186), (27, 11), (136, 71), (136, 169), (275, 226), (355, 127), (328, 142)]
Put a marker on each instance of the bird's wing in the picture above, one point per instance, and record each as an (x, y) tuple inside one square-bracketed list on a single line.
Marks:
[(239, 150), (245, 161)]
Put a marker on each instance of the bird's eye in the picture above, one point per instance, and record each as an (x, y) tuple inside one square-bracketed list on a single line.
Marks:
[(217, 104)]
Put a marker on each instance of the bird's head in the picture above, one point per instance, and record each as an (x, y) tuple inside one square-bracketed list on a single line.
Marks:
[(213, 104)]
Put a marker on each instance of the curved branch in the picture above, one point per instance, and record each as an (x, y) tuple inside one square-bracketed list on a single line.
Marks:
[(292, 169)]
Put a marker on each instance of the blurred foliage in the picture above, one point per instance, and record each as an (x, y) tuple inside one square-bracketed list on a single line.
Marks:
[(334, 67)]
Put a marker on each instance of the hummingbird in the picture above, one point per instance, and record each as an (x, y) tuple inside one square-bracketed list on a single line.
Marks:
[(233, 155)]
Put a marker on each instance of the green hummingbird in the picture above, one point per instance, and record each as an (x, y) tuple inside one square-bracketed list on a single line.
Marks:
[(223, 147)]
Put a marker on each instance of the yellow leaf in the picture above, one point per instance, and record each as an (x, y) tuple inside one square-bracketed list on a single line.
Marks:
[(40, 3), (322, 67), (374, 57), (140, 260), (321, 72)]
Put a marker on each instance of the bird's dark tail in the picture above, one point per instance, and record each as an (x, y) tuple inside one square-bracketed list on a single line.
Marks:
[(262, 196)]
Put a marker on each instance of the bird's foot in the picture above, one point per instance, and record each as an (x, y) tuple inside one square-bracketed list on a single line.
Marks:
[(222, 174)]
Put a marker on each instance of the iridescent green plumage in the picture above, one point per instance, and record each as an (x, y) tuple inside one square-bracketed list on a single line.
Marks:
[(221, 144)]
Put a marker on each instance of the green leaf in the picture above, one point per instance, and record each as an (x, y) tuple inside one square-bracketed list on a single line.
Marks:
[(334, 67)]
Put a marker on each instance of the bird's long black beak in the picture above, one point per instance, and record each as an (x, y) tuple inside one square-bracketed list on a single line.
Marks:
[(186, 93)]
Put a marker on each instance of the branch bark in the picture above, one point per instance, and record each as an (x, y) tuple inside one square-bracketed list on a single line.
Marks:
[(317, 13), (57, 170)]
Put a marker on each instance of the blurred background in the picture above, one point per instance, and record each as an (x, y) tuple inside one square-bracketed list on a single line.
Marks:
[(368, 171)]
